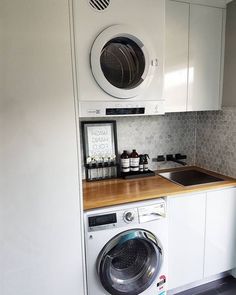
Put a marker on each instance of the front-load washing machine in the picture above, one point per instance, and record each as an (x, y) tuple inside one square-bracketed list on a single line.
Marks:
[(120, 54), (126, 249)]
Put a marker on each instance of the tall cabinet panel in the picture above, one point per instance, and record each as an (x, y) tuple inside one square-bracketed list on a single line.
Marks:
[(40, 224), (176, 61), (205, 50)]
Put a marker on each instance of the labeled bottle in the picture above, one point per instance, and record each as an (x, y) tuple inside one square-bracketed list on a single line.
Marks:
[(109, 167), (125, 162), (106, 168), (89, 168), (141, 163), (134, 161), (93, 172), (113, 167), (145, 164)]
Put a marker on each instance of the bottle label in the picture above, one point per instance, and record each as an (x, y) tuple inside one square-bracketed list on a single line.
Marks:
[(134, 163), (141, 167), (145, 167), (125, 170), (125, 165)]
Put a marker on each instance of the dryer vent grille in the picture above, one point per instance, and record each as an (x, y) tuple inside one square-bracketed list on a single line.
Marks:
[(99, 4)]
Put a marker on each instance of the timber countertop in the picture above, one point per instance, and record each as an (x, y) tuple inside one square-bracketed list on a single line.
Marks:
[(105, 193)]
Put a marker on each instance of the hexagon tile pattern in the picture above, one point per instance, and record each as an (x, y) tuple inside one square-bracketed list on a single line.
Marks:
[(216, 141), (158, 135), (207, 138)]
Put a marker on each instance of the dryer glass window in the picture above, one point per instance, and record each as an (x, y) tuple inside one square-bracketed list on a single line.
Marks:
[(130, 263), (123, 63)]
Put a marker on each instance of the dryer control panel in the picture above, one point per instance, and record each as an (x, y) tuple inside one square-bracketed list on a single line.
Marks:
[(121, 108)]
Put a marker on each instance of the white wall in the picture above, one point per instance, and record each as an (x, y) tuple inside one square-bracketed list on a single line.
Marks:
[(229, 93), (40, 233)]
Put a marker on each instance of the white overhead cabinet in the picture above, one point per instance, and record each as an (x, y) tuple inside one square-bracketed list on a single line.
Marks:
[(205, 47), (176, 65), (194, 55)]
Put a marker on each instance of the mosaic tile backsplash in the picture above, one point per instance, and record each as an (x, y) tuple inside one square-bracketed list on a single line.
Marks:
[(158, 135), (216, 141), (207, 138)]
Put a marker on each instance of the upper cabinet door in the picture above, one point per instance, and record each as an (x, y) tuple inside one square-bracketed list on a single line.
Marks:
[(205, 55), (176, 61)]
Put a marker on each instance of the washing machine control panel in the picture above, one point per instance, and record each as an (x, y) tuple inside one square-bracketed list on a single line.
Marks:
[(113, 219), (124, 217)]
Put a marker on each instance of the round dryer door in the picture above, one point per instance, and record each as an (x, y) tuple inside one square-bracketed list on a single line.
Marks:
[(130, 262), (122, 63)]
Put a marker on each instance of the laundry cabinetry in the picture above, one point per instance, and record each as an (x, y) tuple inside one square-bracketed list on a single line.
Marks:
[(202, 236), (194, 57), (41, 229), (186, 239), (220, 239), (176, 56)]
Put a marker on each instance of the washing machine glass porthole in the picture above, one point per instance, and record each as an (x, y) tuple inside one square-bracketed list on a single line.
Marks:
[(123, 63), (130, 262)]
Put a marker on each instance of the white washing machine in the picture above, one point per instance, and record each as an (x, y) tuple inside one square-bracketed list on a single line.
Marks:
[(126, 249), (120, 54)]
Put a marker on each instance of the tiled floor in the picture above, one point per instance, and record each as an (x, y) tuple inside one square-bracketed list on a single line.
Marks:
[(226, 286)]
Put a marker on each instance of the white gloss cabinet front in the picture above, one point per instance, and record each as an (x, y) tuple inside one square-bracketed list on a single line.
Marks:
[(220, 254), (186, 239), (205, 54), (176, 56), (40, 208), (202, 236), (194, 55)]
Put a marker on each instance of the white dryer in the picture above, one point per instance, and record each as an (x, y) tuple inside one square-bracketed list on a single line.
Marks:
[(126, 249), (120, 54)]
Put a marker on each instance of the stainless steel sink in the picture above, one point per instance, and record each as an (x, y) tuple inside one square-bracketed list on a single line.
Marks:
[(190, 177)]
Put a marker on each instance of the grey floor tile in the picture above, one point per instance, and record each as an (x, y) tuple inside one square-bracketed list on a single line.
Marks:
[(226, 286)]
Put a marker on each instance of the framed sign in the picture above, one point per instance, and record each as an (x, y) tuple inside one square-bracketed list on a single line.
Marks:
[(99, 139)]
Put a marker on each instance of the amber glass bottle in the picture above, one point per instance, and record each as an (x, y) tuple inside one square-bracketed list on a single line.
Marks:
[(125, 162), (134, 161)]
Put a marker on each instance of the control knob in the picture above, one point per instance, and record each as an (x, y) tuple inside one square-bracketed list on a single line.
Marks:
[(129, 216)]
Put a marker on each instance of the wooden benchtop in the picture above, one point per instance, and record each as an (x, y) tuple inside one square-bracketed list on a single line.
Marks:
[(105, 193)]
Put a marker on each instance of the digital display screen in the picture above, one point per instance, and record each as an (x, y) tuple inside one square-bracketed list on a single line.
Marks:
[(102, 219), (125, 111)]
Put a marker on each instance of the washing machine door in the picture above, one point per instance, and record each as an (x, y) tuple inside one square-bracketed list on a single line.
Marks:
[(122, 63), (130, 262)]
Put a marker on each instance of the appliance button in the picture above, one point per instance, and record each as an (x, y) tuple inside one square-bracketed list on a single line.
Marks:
[(129, 216)]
